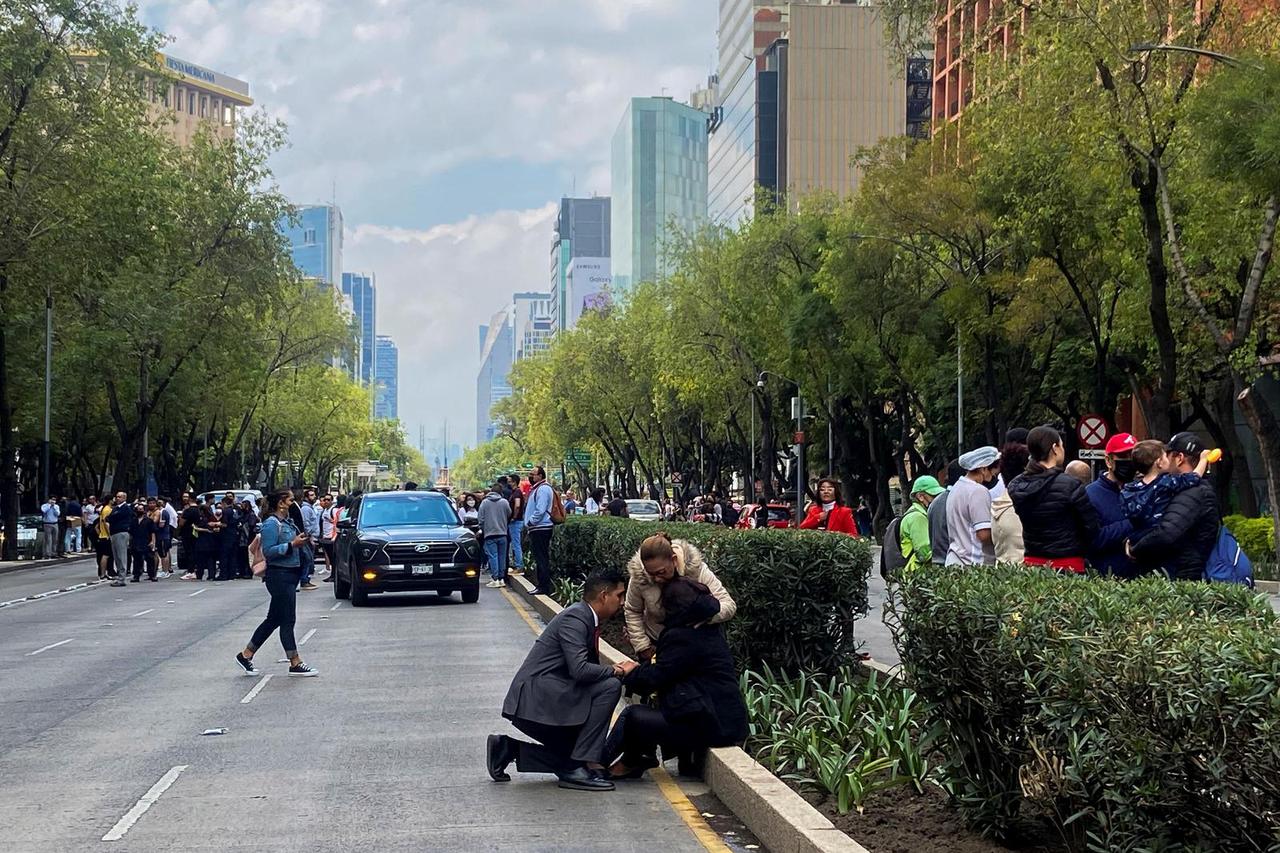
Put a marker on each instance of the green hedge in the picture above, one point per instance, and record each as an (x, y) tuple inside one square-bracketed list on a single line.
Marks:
[(1257, 536), (798, 592), (1136, 716)]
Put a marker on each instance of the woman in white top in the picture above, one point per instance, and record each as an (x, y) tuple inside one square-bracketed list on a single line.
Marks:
[(470, 509), (593, 505)]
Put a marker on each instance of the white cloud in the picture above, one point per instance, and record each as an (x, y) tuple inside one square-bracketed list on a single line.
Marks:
[(435, 287), (384, 96)]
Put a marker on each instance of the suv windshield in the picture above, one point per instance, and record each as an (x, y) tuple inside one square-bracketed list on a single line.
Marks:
[(407, 509), (643, 507)]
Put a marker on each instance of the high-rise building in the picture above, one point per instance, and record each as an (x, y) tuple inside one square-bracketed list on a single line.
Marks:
[(802, 86), (589, 287), (532, 323), (364, 303), (386, 400), (659, 190), (497, 349), (315, 240), (582, 231)]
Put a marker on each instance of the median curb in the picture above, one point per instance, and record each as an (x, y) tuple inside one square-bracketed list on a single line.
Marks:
[(774, 813), (9, 567)]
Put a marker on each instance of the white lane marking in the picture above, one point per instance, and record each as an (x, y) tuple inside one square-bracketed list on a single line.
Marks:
[(53, 593), (143, 613), (197, 592), (307, 636), (257, 688), (140, 808), (50, 646), (335, 607)]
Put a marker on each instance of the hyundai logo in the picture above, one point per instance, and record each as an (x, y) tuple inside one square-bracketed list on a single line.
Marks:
[(423, 548)]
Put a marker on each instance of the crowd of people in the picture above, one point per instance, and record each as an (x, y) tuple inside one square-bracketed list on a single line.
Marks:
[(1152, 510)]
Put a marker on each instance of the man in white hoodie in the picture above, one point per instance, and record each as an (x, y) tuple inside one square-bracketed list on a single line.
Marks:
[(495, 515)]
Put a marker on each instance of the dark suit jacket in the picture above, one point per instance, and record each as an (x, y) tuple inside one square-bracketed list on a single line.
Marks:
[(553, 684)]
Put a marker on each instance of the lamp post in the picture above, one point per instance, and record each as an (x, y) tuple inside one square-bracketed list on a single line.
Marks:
[(1224, 58), (48, 390)]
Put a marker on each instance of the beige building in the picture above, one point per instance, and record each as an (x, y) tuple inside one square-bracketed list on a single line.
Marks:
[(839, 88), (194, 96)]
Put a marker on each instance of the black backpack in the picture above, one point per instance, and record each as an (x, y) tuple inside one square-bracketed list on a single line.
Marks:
[(892, 562)]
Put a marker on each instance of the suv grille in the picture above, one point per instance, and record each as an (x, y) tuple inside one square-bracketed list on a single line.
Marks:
[(407, 552)]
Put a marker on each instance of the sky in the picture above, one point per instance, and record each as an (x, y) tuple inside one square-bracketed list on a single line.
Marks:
[(448, 132)]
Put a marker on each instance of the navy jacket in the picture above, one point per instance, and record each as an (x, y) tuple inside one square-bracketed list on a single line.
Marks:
[(1108, 555)]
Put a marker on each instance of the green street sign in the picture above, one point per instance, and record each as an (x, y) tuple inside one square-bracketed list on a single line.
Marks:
[(577, 457)]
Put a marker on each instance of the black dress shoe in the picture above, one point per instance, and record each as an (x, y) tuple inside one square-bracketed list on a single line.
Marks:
[(582, 779), (540, 592), (499, 752)]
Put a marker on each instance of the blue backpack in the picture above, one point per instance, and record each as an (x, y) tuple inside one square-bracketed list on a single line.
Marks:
[(1228, 563)]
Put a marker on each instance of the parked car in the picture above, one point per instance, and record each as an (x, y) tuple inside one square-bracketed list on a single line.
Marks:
[(405, 542), (642, 509), (28, 536), (780, 516), (251, 495)]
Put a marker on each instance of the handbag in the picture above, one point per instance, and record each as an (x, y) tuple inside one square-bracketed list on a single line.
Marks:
[(257, 559)]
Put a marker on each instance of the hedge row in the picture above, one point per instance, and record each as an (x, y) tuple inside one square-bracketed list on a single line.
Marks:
[(1136, 716), (798, 592), (1257, 536)]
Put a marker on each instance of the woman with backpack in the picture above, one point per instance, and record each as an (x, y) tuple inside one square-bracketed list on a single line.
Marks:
[(912, 530), (281, 544)]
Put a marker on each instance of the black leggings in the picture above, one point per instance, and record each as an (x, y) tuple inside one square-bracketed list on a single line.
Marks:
[(282, 585), (636, 736)]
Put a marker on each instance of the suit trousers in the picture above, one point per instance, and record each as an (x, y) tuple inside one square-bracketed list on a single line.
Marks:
[(560, 749)]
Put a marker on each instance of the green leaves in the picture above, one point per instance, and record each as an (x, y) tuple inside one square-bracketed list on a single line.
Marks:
[(1135, 714)]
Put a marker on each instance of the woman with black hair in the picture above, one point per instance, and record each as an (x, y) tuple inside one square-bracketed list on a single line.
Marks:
[(1059, 523), (830, 513), (281, 543), (699, 702)]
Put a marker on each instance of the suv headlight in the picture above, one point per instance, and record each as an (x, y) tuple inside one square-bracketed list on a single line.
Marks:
[(372, 552)]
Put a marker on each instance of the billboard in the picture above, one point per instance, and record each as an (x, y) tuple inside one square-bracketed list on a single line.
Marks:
[(587, 279)]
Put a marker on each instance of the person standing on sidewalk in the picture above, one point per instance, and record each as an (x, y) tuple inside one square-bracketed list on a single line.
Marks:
[(537, 520), (90, 514), (311, 527), (515, 530), (49, 515), (73, 541), (495, 513), (282, 542), (119, 523)]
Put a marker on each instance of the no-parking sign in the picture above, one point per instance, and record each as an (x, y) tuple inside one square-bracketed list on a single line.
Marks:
[(1092, 432)]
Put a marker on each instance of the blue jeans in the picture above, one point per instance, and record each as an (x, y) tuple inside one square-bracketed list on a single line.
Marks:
[(514, 531), (495, 549), (306, 562)]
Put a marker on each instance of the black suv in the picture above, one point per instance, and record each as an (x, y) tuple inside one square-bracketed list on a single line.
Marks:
[(405, 542)]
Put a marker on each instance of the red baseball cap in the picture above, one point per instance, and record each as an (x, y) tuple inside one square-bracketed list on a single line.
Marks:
[(1121, 442)]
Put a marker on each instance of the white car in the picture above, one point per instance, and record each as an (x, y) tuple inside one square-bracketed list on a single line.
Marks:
[(241, 494), (644, 510)]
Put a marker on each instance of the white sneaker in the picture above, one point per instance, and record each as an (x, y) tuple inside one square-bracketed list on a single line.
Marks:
[(494, 584), (189, 576)]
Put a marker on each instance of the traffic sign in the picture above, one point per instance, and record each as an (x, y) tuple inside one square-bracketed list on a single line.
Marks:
[(578, 457), (1092, 431), (1093, 454)]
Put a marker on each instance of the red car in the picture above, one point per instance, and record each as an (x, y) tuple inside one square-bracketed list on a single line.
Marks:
[(779, 516)]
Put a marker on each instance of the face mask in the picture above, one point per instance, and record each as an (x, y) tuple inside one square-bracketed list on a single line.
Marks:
[(1124, 470)]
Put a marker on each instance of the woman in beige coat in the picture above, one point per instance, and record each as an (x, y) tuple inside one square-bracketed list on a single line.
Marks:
[(659, 560)]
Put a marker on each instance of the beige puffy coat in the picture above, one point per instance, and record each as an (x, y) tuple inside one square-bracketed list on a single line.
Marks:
[(644, 597)]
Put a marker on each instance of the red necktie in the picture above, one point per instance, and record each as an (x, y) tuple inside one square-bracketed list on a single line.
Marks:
[(597, 641)]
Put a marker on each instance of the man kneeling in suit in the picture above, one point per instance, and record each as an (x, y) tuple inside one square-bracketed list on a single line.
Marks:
[(563, 697)]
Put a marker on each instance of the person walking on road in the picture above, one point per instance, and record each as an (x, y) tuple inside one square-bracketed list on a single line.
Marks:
[(119, 523), (282, 542), (537, 520), (50, 512), (495, 517), (142, 541), (562, 696)]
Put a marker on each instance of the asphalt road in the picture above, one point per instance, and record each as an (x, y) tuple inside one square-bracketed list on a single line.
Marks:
[(104, 693)]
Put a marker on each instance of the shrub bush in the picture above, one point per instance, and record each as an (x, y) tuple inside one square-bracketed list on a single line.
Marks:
[(1140, 715), (798, 592), (1257, 536)]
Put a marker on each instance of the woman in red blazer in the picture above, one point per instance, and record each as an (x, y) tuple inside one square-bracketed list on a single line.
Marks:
[(829, 513)]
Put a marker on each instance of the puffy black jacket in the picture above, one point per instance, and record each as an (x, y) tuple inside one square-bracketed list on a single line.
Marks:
[(1057, 518), (1184, 536)]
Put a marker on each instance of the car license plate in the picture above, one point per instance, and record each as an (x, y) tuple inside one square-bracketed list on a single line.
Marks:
[(422, 569)]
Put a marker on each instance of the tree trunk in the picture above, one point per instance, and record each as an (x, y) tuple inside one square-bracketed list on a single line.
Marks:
[(1267, 431), (1157, 410), (8, 450)]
